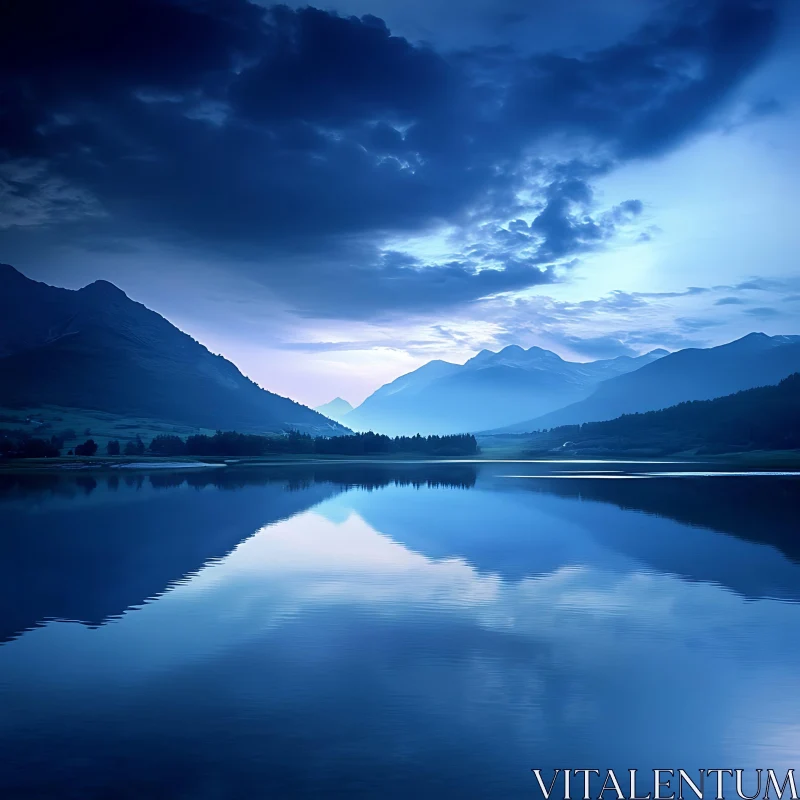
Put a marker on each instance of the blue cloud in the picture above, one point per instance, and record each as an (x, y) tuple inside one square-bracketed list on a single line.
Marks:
[(292, 143)]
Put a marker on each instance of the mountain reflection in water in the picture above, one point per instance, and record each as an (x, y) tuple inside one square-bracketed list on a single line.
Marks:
[(390, 629)]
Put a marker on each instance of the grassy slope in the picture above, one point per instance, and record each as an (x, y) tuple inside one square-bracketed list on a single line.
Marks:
[(101, 425)]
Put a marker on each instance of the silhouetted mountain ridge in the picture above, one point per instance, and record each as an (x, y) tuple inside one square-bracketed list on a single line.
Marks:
[(95, 348)]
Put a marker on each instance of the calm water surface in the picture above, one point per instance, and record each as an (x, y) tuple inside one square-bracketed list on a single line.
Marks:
[(392, 631)]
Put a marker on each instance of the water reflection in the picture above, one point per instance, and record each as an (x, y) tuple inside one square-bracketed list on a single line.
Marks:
[(393, 632), (87, 547)]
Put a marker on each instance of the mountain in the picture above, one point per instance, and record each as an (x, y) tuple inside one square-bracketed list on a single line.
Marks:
[(765, 418), (335, 409), (489, 390), (691, 374), (95, 348)]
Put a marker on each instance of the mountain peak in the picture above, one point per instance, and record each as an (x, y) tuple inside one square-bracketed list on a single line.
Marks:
[(103, 288), (754, 336), (514, 353), (338, 402), (540, 351), (757, 340), (335, 409), (521, 356), (481, 356), (95, 348)]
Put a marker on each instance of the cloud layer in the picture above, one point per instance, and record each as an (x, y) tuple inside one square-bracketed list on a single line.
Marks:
[(299, 147)]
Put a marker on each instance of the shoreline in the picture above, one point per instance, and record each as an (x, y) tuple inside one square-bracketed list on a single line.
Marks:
[(763, 460)]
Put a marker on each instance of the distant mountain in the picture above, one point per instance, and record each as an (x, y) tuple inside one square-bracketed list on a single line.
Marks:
[(691, 374), (489, 390), (335, 409), (95, 348), (765, 418)]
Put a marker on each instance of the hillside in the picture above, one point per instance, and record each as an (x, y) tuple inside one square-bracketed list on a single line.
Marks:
[(95, 348), (691, 374), (489, 390), (766, 418)]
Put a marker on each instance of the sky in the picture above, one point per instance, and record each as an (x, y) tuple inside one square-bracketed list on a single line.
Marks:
[(331, 197)]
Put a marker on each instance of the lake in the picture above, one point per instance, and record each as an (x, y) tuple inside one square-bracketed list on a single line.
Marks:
[(393, 630)]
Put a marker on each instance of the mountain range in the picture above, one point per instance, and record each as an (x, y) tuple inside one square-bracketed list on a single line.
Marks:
[(691, 374), (764, 418), (95, 348), (490, 390), (518, 391)]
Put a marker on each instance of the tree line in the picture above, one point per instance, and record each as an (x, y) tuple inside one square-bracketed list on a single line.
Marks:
[(19, 444), (765, 418), (231, 443), (16, 444)]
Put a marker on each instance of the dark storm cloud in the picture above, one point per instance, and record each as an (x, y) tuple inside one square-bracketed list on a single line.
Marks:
[(332, 71), (643, 95), (298, 140), (530, 25), (395, 281)]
